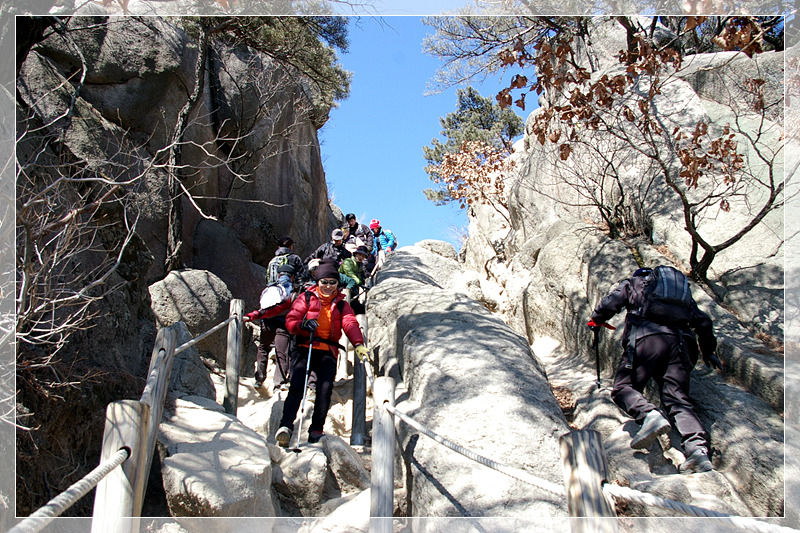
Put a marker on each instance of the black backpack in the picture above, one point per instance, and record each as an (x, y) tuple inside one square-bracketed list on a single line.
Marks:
[(667, 298)]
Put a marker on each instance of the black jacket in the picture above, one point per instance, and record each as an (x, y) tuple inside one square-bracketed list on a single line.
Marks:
[(629, 294), (329, 251), (365, 234)]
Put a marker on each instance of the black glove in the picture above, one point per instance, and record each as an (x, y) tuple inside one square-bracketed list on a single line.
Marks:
[(713, 361), (309, 325)]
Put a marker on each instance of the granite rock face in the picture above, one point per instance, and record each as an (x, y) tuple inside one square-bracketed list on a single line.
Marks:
[(468, 377)]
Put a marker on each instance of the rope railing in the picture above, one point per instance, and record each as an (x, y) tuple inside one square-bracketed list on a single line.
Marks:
[(38, 520), (632, 495), (516, 473), (202, 336)]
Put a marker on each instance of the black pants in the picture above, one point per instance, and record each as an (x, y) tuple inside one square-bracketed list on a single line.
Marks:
[(273, 332), (324, 364), (665, 359)]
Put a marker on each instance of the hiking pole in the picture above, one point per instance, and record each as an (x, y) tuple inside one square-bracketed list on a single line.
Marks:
[(596, 344), (296, 449)]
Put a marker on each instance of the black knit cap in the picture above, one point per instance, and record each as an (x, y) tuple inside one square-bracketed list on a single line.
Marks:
[(350, 216), (327, 269), (285, 241)]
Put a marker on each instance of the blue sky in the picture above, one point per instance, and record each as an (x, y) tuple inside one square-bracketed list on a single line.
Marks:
[(372, 143)]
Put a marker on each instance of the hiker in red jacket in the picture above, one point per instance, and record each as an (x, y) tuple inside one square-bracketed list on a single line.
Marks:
[(322, 313)]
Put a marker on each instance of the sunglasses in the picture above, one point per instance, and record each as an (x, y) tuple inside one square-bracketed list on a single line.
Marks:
[(328, 282)]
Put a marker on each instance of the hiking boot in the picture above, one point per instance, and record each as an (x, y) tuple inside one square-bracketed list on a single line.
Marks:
[(314, 436), (697, 462), (654, 424), (283, 436), (257, 383)]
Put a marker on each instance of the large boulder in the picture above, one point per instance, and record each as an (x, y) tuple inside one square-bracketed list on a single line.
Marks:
[(200, 300), (212, 465), (280, 160), (724, 76), (345, 465), (469, 378), (300, 479)]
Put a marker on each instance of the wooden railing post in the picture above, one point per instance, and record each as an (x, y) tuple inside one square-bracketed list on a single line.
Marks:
[(234, 358), (155, 390), (382, 487), (116, 498), (585, 471), (359, 430), (134, 425)]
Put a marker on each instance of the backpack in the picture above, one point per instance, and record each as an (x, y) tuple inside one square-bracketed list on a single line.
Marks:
[(274, 264), (273, 294), (396, 242), (667, 297)]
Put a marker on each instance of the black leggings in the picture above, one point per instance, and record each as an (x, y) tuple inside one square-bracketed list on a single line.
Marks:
[(323, 363), (665, 359), (273, 332)]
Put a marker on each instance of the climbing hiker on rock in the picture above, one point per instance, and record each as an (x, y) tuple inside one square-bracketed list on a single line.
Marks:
[(360, 232), (659, 342), (385, 243), (385, 238), (318, 315), (356, 268), (275, 302), (334, 250), (283, 256)]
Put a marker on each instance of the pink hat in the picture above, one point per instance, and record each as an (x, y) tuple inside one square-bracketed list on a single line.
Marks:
[(375, 223)]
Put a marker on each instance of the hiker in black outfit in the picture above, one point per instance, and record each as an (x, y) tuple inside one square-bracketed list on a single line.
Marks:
[(360, 231), (332, 250), (665, 351)]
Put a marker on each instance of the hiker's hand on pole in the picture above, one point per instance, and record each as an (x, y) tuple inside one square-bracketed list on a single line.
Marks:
[(713, 361), (309, 325), (361, 352), (596, 327)]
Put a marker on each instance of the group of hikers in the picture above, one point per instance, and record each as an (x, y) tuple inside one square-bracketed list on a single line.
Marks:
[(665, 333), (303, 310)]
